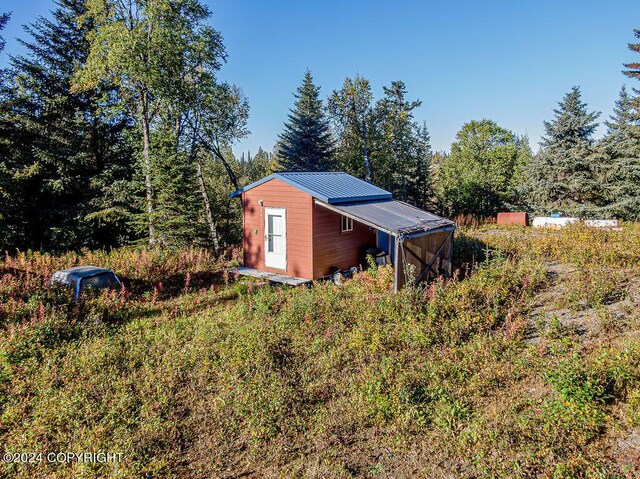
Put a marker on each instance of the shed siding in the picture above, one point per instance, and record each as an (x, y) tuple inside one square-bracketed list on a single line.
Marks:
[(331, 247), (276, 193), (516, 218)]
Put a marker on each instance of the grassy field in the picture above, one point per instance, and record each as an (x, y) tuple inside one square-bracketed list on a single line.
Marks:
[(525, 364)]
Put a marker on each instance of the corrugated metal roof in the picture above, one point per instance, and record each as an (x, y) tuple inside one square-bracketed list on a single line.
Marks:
[(333, 187), (395, 217)]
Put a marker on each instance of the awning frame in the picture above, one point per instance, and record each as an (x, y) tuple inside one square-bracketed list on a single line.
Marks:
[(397, 234), (353, 217), (399, 248)]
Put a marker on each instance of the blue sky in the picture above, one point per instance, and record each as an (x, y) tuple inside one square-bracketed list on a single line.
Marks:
[(509, 61)]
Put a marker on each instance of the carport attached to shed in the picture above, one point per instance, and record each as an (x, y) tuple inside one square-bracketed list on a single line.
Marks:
[(423, 242)]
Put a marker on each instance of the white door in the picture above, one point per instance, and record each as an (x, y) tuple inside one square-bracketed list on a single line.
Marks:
[(275, 238)]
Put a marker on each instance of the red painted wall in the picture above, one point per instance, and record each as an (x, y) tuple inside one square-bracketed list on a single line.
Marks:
[(515, 218), (298, 206), (333, 248)]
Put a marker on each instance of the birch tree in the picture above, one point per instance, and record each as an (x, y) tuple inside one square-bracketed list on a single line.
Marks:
[(144, 47), (216, 118)]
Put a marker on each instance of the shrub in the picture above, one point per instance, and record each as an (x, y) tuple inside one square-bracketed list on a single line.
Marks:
[(193, 373)]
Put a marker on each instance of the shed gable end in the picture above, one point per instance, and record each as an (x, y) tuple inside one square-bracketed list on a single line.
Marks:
[(297, 204)]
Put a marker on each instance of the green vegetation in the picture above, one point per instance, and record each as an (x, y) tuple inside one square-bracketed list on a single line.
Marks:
[(116, 130), (306, 143), (381, 142), (477, 177), (621, 149), (563, 176), (193, 373)]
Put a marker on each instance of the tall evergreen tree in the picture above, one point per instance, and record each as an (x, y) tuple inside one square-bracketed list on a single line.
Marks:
[(4, 19), (563, 176), (306, 143), (519, 180), (621, 150), (623, 145), (6, 184), (177, 215), (394, 159), (633, 68), (352, 113), (420, 185), (66, 151)]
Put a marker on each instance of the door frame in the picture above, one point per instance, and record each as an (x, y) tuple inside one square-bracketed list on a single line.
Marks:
[(273, 209)]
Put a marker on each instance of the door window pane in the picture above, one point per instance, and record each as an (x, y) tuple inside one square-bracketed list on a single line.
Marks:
[(275, 240), (277, 244)]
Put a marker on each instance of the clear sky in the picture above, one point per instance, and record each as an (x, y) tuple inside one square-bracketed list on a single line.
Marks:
[(509, 61)]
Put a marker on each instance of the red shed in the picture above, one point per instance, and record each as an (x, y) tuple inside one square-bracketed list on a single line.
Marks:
[(307, 225), (520, 218)]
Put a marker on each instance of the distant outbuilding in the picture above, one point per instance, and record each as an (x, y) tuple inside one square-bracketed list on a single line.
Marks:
[(308, 225), (519, 218)]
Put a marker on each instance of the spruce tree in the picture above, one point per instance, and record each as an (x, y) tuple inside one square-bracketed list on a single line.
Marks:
[(5, 182), (633, 69), (178, 208), (66, 151), (4, 18), (519, 180), (563, 176), (394, 156), (352, 113), (621, 150), (622, 145), (306, 143), (419, 171)]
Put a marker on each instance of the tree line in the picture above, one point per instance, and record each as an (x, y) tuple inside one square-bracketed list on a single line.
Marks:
[(116, 129), (488, 168), (379, 141)]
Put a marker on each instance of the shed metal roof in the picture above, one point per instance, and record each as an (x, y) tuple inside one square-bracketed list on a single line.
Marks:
[(332, 187), (394, 217)]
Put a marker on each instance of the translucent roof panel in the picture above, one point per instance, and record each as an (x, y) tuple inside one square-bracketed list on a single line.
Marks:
[(392, 216)]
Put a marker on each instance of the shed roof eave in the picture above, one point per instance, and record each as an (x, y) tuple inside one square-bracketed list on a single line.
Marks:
[(277, 176), (331, 187), (239, 191)]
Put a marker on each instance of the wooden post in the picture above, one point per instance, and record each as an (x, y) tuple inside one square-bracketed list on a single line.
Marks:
[(396, 260)]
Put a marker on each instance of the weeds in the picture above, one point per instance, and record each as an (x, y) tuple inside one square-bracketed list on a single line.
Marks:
[(194, 373)]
